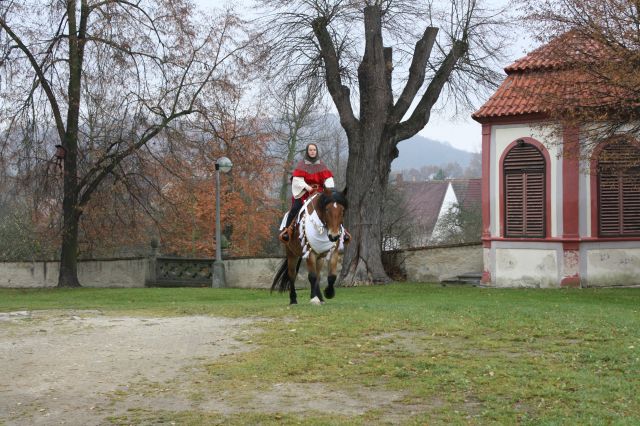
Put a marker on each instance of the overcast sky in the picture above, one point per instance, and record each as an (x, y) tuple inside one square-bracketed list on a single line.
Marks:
[(461, 132)]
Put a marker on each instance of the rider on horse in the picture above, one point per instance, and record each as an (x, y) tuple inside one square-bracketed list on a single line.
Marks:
[(310, 175)]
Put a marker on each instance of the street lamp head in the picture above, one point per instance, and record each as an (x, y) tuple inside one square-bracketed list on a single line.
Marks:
[(223, 164)]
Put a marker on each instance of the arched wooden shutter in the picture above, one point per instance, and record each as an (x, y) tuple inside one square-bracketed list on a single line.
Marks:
[(524, 191), (619, 191)]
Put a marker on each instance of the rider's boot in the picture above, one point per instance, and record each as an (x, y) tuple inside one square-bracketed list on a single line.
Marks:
[(285, 235)]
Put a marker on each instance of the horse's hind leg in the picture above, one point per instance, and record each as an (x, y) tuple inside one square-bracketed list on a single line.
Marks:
[(292, 273), (293, 298), (314, 282)]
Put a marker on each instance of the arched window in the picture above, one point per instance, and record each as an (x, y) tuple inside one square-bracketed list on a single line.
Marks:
[(524, 192), (619, 190)]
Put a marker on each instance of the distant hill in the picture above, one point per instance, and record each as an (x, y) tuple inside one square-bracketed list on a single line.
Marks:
[(419, 151)]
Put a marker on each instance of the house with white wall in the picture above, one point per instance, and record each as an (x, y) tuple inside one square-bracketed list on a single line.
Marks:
[(557, 210)]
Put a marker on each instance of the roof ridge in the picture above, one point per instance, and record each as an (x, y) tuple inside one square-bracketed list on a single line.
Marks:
[(559, 53)]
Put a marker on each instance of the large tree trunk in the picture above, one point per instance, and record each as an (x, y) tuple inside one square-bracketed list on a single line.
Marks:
[(285, 193), (70, 210), (369, 160), (367, 174)]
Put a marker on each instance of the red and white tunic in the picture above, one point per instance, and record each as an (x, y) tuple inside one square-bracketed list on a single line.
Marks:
[(306, 175)]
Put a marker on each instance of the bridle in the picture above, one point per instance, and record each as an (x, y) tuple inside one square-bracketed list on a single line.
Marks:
[(321, 213)]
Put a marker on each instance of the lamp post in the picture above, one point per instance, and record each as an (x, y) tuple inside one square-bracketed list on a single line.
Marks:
[(223, 164)]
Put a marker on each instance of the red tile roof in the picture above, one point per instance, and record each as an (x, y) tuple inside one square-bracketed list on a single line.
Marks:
[(561, 52), (545, 77)]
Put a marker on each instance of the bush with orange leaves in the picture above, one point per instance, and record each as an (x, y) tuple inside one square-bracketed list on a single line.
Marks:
[(248, 211)]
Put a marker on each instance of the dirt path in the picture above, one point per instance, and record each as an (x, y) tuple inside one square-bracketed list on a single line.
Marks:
[(70, 367), (86, 368)]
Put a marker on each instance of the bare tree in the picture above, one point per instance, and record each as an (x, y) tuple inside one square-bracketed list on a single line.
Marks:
[(397, 227), (474, 168), (593, 64), (298, 110), (335, 149), (148, 62), (450, 57), (460, 224)]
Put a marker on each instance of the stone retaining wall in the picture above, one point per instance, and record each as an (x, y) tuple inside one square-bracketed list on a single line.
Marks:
[(435, 264), (431, 264), (91, 273)]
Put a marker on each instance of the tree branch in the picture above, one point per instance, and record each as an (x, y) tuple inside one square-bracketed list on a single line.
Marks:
[(417, 71), (339, 92), (43, 80), (116, 158), (420, 116)]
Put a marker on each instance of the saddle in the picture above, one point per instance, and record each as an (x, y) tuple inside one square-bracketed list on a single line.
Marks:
[(287, 231), (313, 236)]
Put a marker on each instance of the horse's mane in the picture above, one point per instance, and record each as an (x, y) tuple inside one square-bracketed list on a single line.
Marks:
[(336, 196)]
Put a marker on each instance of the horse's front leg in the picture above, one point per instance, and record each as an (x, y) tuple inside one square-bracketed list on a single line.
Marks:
[(330, 291), (314, 282)]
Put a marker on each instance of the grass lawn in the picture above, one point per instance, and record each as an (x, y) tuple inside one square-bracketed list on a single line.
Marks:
[(458, 355)]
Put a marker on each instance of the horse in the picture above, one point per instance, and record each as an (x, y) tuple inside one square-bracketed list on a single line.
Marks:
[(317, 233)]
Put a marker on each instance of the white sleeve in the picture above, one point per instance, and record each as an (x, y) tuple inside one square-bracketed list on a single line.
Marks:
[(298, 186), (328, 183)]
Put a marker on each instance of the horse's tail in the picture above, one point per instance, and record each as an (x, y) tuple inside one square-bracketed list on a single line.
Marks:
[(281, 281)]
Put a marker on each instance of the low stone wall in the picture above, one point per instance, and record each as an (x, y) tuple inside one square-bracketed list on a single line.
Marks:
[(430, 264), (91, 273), (252, 273), (131, 273), (435, 264)]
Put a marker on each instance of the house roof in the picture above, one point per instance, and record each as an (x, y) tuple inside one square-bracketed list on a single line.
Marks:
[(560, 53), (424, 199), (468, 192), (546, 77)]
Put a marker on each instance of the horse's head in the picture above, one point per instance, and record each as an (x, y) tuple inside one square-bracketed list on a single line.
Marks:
[(331, 207)]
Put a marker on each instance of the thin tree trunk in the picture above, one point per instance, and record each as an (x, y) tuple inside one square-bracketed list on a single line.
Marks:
[(71, 212), (68, 276), (285, 195)]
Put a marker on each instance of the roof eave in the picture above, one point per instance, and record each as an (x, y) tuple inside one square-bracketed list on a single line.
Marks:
[(510, 118)]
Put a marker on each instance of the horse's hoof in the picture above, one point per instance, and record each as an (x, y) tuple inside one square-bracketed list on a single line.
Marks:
[(316, 301), (329, 292), (293, 303)]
